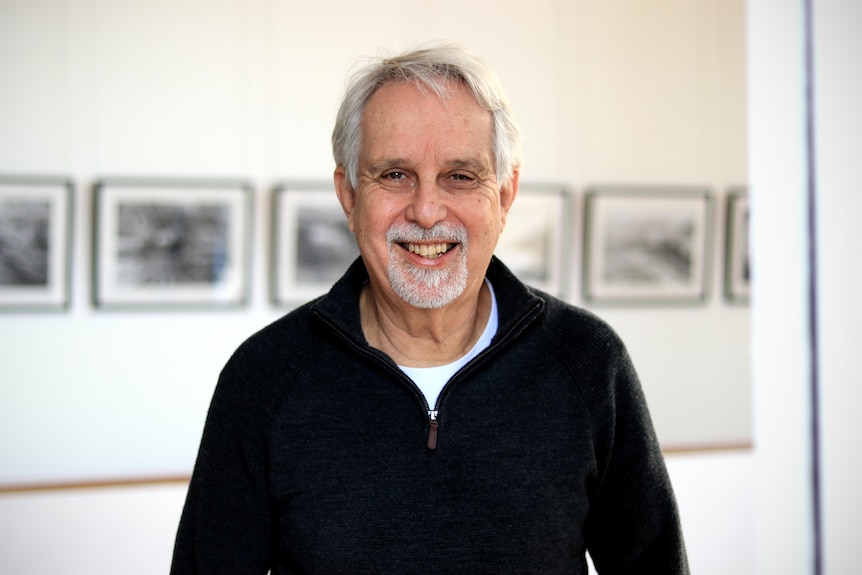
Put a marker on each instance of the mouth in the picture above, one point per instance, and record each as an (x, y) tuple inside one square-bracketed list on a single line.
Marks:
[(429, 251)]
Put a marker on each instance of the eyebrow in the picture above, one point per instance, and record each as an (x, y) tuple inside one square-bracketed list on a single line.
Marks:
[(384, 165), (475, 165)]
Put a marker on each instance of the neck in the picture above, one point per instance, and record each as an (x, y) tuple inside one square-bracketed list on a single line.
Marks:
[(424, 337)]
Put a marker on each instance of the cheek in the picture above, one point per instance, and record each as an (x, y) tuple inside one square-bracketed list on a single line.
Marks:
[(489, 209), (362, 217), (369, 222)]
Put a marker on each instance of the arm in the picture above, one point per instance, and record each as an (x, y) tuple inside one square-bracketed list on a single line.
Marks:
[(634, 524), (225, 524)]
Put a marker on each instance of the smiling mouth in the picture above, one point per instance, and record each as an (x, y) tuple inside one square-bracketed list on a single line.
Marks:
[(430, 251)]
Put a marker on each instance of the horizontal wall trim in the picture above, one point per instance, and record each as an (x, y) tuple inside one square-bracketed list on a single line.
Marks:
[(681, 449), (92, 484), (181, 479)]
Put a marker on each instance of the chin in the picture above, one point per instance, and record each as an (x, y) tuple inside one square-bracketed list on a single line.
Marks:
[(428, 288)]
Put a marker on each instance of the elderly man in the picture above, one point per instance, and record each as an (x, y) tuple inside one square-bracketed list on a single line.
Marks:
[(431, 413)]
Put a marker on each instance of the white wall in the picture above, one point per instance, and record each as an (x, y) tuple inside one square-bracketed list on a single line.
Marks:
[(607, 92), (70, 68), (779, 242), (838, 24), (804, 346)]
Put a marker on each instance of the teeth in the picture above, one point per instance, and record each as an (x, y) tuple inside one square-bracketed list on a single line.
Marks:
[(428, 250)]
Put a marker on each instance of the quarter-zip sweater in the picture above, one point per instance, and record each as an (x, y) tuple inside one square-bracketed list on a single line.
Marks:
[(319, 455)]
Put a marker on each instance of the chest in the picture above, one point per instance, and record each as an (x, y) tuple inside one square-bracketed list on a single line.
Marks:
[(354, 484)]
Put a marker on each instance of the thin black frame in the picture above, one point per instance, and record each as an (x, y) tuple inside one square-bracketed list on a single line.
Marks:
[(535, 242), (647, 245), (737, 259), (312, 245), (156, 240), (47, 240)]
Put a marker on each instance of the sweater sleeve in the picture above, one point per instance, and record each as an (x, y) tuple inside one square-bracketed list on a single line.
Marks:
[(225, 526), (633, 526)]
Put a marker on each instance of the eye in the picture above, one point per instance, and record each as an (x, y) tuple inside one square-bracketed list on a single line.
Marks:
[(396, 180), (460, 181)]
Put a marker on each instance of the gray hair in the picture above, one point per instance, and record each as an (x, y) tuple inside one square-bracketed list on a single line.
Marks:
[(431, 68)]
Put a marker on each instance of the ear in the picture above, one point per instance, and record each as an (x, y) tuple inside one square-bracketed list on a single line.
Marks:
[(346, 194), (507, 196)]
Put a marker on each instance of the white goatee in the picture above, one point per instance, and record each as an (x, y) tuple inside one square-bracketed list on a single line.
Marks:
[(423, 287)]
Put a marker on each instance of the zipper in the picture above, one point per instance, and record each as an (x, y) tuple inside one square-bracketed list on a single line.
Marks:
[(432, 429), (481, 355), (432, 414)]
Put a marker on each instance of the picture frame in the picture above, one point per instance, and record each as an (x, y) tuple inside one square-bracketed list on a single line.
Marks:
[(737, 261), (35, 243), (170, 243), (647, 245), (312, 242), (535, 240)]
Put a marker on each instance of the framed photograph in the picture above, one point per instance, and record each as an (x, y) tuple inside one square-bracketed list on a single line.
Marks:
[(646, 245), (312, 243), (35, 243), (737, 261), (533, 242), (161, 243)]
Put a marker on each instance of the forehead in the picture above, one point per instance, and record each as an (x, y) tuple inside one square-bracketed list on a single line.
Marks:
[(401, 117)]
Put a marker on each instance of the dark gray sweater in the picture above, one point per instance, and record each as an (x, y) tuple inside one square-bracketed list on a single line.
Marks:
[(319, 455)]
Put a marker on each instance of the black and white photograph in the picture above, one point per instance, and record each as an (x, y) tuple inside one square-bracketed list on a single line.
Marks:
[(533, 240), (171, 244), (35, 239), (313, 245), (646, 245), (737, 269)]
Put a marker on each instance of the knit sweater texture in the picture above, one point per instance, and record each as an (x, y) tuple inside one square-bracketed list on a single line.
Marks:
[(319, 455)]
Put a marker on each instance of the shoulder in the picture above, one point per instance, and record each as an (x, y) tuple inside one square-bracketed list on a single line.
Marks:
[(590, 351), (576, 336), (270, 360), (260, 370), (278, 344), (556, 317), (576, 328)]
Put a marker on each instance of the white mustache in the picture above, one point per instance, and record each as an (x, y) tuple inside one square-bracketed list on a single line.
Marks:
[(441, 232)]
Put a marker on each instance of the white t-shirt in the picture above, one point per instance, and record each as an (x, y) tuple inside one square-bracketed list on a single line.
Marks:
[(432, 379)]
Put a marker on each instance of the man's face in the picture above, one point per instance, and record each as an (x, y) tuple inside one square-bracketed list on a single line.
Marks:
[(428, 209)]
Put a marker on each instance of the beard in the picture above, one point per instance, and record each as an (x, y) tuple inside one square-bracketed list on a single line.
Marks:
[(422, 287)]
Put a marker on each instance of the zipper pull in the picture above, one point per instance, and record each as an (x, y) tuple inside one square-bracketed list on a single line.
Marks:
[(432, 429), (432, 435)]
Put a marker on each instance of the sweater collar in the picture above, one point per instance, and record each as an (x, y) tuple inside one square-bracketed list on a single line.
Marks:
[(516, 303)]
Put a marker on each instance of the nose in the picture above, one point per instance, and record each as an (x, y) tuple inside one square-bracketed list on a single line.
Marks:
[(427, 204)]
